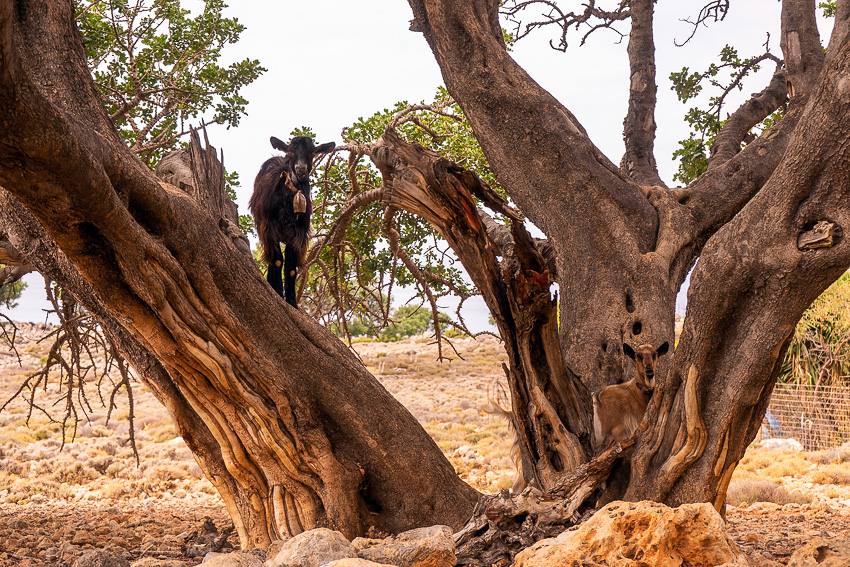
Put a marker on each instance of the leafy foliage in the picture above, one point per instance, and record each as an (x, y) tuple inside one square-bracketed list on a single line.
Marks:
[(705, 120), (828, 8), (819, 353), (157, 68), (10, 293), (349, 284), (406, 321)]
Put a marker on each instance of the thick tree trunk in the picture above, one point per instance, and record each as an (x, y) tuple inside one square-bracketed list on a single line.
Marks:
[(286, 422), (622, 250)]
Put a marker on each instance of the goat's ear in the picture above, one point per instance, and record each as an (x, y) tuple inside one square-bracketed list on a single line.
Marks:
[(324, 148), (663, 348), (278, 145), (628, 351)]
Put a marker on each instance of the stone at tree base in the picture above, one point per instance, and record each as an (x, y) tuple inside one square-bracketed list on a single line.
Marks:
[(822, 552), (100, 558), (312, 548), (636, 534), (356, 562), (421, 547), (235, 559), (275, 547), (152, 562)]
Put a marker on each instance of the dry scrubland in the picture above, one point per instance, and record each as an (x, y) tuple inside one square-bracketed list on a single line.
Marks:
[(94, 483)]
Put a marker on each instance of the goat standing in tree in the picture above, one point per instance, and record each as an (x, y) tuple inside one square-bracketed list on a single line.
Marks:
[(282, 206)]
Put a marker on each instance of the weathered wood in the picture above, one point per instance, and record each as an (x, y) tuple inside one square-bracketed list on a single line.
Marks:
[(270, 402)]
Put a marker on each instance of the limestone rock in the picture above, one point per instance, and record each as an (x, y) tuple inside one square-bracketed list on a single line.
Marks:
[(236, 559), (634, 534), (100, 558), (312, 549), (152, 562), (422, 547), (777, 444), (822, 552), (275, 547), (356, 562)]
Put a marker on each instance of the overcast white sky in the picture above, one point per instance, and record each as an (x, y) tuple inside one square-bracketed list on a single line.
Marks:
[(332, 61)]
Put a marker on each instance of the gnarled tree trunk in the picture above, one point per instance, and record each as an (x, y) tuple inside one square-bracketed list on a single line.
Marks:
[(288, 424), (285, 421), (623, 243)]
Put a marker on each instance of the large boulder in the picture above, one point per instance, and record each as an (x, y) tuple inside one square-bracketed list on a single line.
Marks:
[(821, 552), (312, 548), (422, 547), (636, 534)]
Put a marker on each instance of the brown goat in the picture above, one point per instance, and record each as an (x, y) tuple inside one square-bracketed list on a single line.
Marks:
[(619, 409)]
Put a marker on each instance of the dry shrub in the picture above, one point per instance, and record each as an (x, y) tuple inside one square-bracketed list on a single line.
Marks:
[(747, 492), (45, 488), (10, 466), (101, 431), (790, 464), (117, 469), (114, 490), (166, 472), (101, 464), (831, 474), (195, 471), (164, 433), (836, 455), (74, 473)]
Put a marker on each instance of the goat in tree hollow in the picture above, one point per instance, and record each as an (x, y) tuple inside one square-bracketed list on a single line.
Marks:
[(619, 409), (281, 206)]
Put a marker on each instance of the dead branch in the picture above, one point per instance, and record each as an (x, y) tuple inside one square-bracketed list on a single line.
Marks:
[(552, 15), (715, 11)]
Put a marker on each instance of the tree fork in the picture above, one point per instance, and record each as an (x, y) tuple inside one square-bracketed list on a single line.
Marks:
[(551, 407), (733, 343)]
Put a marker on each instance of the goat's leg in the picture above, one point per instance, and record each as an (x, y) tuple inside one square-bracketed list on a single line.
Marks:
[(290, 263), (273, 274)]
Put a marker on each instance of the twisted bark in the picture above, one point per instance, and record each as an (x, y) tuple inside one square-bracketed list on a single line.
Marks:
[(274, 405)]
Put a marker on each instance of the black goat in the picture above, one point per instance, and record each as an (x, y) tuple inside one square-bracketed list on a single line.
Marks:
[(281, 206)]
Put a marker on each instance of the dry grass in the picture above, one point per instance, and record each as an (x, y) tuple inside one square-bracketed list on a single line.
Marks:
[(744, 493), (446, 397)]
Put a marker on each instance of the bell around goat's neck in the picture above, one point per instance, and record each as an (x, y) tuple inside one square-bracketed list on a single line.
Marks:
[(299, 203)]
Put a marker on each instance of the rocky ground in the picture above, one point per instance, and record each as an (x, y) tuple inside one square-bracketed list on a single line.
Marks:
[(58, 501)]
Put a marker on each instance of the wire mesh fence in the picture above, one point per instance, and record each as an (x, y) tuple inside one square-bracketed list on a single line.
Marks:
[(819, 418)]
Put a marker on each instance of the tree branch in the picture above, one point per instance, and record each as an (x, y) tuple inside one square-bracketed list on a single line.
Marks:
[(801, 46), (715, 10), (552, 15), (728, 141), (551, 169), (639, 126), (17, 266), (840, 28)]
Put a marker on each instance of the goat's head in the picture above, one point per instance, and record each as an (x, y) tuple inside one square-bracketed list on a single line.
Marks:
[(301, 153), (645, 357)]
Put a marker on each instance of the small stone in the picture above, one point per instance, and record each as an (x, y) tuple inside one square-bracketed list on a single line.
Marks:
[(237, 559), (99, 558)]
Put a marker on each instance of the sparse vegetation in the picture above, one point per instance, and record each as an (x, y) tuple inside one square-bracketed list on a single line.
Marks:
[(751, 491), (446, 397)]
